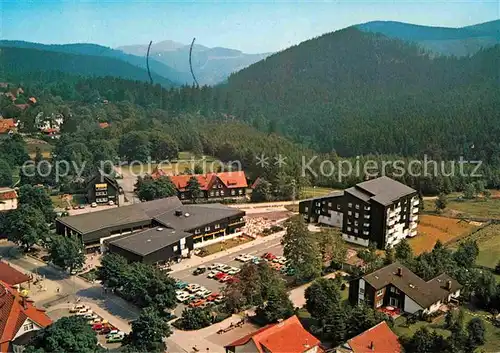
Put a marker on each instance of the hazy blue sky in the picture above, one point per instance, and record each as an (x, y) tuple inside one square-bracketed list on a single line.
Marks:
[(251, 26)]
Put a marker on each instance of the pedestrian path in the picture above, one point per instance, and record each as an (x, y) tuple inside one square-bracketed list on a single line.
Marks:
[(196, 261)]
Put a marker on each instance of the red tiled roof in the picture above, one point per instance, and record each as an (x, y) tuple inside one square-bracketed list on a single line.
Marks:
[(103, 125), (7, 194), (11, 276), (255, 183), (8, 123), (378, 339), (13, 313), (286, 337), (229, 179), (32, 100)]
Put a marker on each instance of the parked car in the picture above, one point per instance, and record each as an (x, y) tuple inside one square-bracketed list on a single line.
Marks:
[(95, 321), (193, 288), (197, 303), (82, 206), (268, 256), (182, 297), (256, 260), (214, 266), (107, 329), (220, 275), (212, 297), (225, 278), (77, 308), (97, 327), (93, 204), (226, 268), (244, 258), (90, 316), (83, 311), (204, 293), (199, 270), (115, 339), (111, 203), (75, 207), (112, 333), (233, 271), (180, 284), (213, 273)]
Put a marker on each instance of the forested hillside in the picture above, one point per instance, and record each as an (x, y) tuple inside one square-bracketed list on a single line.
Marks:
[(441, 40), (22, 60), (360, 93)]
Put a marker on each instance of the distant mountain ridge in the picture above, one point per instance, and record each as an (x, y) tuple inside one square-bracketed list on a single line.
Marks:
[(441, 40), (157, 67), (14, 60), (210, 65)]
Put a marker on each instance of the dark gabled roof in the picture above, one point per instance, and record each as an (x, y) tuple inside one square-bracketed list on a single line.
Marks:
[(11, 276), (199, 215), (421, 292), (359, 194), (140, 212), (384, 190), (149, 241)]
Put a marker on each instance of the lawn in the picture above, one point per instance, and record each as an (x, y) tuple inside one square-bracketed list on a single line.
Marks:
[(314, 191), (59, 202), (488, 240), (433, 228), (492, 332), (479, 207), (33, 144)]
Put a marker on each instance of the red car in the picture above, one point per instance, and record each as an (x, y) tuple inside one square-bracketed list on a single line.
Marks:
[(97, 327), (220, 275), (107, 329), (212, 297), (268, 256), (225, 278)]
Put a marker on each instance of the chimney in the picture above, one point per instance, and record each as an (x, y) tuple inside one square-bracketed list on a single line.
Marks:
[(400, 271), (372, 346), (178, 213), (448, 285)]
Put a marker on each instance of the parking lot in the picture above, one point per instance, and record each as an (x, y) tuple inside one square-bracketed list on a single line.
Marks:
[(213, 284)]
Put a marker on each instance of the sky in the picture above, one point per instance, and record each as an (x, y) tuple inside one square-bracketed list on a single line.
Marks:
[(249, 26)]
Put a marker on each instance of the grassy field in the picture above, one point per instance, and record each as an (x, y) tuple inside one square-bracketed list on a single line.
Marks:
[(432, 228), (479, 207), (59, 202), (488, 240), (311, 191), (492, 333), (224, 245)]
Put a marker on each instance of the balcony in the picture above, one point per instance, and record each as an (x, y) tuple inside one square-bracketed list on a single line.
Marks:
[(413, 226), (416, 202), (415, 210), (391, 222), (414, 218), (390, 230)]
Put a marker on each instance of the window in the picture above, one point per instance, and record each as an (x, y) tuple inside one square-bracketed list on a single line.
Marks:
[(349, 213), (233, 192), (367, 208), (349, 229), (240, 192), (349, 204), (182, 196), (329, 204), (356, 230), (366, 232), (28, 327), (380, 292), (207, 229), (379, 303), (357, 206), (394, 302), (217, 193), (394, 290), (361, 291), (176, 248), (197, 231), (367, 216), (306, 209), (338, 207), (366, 224), (211, 193), (356, 215), (324, 202), (349, 221), (217, 226), (222, 193), (356, 223)]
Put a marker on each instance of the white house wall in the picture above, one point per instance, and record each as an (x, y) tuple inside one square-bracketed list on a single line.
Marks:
[(410, 306), (21, 330)]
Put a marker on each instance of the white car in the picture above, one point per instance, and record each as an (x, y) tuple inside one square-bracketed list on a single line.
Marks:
[(233, 271), (212, 274), (204, 293), (93, 204), (182, 297), (193, 288), (215, 266), (244, 258), (225, 268), (179, 292)]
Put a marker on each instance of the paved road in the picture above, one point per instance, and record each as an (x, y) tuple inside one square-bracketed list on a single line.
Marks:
[(70, 287)]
